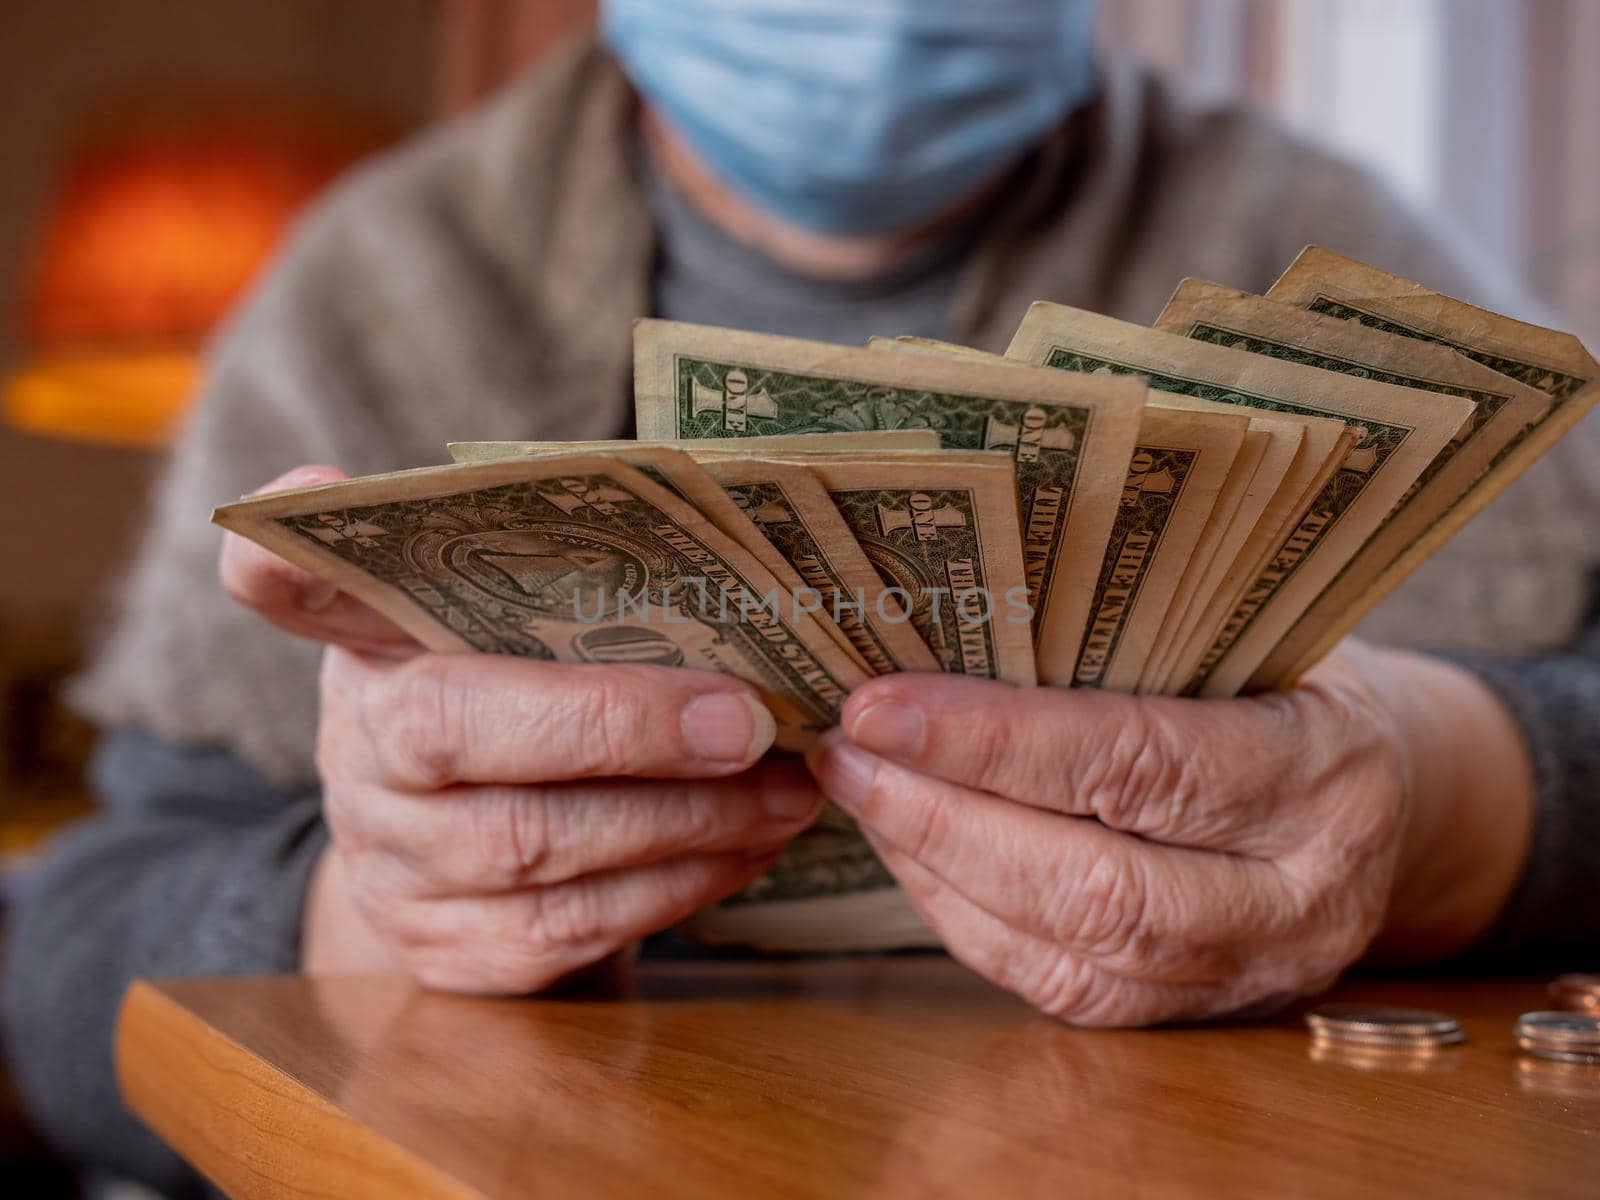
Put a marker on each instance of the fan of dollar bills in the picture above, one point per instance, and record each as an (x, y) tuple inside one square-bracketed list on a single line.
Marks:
[(1200, 508)]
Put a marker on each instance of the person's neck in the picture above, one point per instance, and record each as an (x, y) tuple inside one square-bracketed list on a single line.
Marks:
[(805, 251)]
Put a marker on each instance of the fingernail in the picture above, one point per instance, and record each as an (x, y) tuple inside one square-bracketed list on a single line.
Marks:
[(317, 595), (890, 727), (845, 772), (726, 727)]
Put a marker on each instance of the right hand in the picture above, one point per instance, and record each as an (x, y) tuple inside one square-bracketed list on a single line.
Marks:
[(497, 823)]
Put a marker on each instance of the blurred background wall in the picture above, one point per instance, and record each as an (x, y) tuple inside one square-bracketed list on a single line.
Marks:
[(61, 63), (1482, 112), (70, 505), (69, 508)]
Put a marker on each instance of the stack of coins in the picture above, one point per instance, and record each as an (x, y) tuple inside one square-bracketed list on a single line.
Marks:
[(1563, 1036), (1577, 993), (1372, 1027)]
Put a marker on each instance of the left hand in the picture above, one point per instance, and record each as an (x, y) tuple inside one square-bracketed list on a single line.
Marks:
[(1123, 860)]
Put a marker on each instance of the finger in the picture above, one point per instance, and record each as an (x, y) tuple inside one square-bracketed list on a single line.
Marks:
[(524, 941), (440, 720), (297, 601), (1053, 980), (474, 840), (1130, 904), (1216, 774)]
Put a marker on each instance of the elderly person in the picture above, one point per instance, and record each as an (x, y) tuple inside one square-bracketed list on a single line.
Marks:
[(824, 169)]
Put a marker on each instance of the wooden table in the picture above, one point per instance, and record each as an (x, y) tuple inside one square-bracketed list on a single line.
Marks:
[(896, 1077)]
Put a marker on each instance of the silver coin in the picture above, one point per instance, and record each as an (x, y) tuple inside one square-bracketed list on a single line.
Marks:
[(1379, 1039), (1384, 1022), (1560, 1053), (1569, 1029)]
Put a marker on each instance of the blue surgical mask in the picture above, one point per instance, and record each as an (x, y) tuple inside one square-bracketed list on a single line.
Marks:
[(857, 116)]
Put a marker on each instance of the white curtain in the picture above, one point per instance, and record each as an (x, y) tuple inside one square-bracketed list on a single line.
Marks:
[(1482, 112)]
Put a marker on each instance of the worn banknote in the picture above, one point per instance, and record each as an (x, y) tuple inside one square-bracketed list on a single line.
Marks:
[(580, 559), (790, 506), (1504, 408), (875, 439), (1401, 434), (1554, 363), (1179, 467), (1270, 484), (786, 509), (1070, 442), (675, 470), (1206, 558), (942, 533)]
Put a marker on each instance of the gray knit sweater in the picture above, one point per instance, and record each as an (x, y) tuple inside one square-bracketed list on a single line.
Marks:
[(479, 284)]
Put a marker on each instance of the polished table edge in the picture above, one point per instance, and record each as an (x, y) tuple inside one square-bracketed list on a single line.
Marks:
[(245, 1146), (240, 1077)]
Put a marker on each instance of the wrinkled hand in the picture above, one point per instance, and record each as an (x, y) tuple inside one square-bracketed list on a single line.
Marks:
[(498, 824), (1123, 861)]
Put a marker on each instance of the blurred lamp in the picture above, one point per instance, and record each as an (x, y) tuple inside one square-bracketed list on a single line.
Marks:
[(154, 233)]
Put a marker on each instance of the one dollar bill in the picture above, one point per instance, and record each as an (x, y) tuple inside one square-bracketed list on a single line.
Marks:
[(579, 559), (1551, 362), (1070, 439), (1402, 431)]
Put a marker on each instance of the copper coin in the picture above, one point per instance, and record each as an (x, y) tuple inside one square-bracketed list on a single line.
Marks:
[(1577, 993)]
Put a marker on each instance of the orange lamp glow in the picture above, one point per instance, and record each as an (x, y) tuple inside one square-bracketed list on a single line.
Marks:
[(153, 236)]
